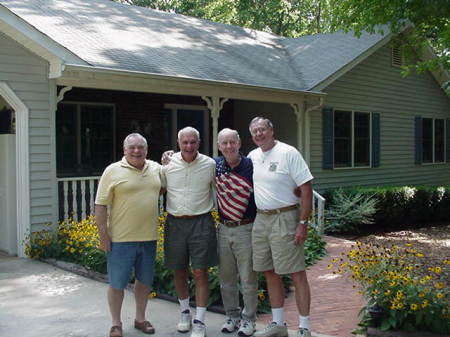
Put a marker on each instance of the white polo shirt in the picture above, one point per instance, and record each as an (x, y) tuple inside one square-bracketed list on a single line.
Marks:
[(276, 173), (189, 185)]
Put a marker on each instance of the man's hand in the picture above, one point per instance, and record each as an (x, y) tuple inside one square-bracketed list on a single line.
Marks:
[(166, 157), (301, 233), (105, 242)]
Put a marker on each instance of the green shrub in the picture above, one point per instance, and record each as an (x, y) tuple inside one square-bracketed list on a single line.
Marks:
[(398, 207), (349, 211)]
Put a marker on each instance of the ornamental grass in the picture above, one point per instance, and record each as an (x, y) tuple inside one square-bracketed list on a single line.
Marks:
[(410, 288)]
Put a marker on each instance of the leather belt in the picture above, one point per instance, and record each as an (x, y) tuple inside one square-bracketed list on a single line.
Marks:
[(235, 223), (276, 210), (187, 216)]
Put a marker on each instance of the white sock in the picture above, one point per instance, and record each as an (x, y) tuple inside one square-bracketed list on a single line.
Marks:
[(304, 322), (200, 314), (184, 304), (278, 315)]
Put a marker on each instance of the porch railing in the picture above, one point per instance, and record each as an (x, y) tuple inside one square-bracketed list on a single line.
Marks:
[(76, 197), (318, 211)]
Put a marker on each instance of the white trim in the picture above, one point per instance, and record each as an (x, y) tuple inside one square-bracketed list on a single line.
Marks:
[(22, 165)]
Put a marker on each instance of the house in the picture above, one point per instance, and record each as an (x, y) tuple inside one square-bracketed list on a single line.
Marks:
[(77, 76)]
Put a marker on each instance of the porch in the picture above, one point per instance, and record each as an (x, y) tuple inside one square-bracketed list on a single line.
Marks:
[(92, 123)]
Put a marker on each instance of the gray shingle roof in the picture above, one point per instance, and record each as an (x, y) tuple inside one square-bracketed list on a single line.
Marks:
[(112, 35)]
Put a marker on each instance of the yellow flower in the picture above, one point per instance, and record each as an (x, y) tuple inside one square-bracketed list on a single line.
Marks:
[(387, 292), (420, 255), (438, 270), (400, 305), (424, 304), (440, 295), (421, 294), (440, 285), (414, 306)]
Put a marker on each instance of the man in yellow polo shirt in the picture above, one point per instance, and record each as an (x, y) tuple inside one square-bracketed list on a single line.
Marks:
[(131, 188)]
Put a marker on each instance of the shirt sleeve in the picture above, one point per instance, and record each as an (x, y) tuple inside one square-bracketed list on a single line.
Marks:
[(105, 188), (298, 168)]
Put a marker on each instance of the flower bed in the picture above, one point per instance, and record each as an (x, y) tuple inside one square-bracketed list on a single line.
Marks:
[(77, 242), (409, 288)]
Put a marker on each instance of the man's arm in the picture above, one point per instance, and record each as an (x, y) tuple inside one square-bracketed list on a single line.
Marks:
[(305, 211), (101, 215)]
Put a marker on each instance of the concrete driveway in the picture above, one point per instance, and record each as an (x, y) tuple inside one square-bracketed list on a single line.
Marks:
[(40, 300)]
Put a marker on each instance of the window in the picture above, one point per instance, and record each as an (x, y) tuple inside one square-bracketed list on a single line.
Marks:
[(85, 138), (433, 140), (351, 139)]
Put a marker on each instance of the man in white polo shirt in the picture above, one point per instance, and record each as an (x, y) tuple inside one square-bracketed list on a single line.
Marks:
[(190, 234), (280, 226)]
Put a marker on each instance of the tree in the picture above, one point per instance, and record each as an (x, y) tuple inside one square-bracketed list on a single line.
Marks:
[(291, 18), (429, 21)]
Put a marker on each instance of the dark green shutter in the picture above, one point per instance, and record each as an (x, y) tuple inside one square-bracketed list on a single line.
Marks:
[(447, 140), (375, 139), (327, 138), (418, 140)]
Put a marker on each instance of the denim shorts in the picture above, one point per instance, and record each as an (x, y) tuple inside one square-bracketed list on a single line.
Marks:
[(126, 256)]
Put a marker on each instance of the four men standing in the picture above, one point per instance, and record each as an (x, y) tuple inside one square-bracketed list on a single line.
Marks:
[(276, 235)]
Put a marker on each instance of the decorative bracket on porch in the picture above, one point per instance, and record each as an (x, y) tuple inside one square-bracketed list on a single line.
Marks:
[(61, 94), (215, 105)]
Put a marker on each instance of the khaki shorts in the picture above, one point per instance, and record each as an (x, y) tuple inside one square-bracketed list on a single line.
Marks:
[(273, 242)]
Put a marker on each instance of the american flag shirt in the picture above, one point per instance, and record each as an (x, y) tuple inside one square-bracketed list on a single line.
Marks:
[(235, 189)]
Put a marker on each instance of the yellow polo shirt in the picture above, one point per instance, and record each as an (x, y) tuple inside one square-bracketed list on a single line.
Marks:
[(133, 196)]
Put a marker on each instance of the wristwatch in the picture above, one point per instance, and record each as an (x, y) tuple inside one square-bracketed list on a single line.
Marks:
[(303, 222)]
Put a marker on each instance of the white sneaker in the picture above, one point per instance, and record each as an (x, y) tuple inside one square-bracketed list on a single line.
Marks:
[(303, 332), (247, 328), (198, 329), (273, 330), (230, 325), (184, 325)]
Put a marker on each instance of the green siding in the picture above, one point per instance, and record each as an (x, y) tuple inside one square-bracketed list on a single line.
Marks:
[(27, 75), (375, 86)]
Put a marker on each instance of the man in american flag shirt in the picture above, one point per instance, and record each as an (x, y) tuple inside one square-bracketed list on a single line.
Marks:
[(234, 183)]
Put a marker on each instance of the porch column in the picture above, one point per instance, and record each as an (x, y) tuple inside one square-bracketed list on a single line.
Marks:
[(299, 110), (307, 128), (215, 104)]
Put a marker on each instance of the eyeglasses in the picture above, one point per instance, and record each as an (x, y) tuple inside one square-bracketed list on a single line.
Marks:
[(255, 131)]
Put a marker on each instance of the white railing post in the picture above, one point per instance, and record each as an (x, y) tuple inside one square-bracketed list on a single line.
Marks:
[(83, 199), (318, 211), (74, 201), (66, 199), (71, 184), (91, 196)]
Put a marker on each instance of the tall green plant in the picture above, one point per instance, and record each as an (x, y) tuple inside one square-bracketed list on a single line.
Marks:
[(349, 211)]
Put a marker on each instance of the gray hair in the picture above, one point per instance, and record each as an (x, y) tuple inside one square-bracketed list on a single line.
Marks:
[(261, 119), (134, 135), (225, 131), (189, 129)]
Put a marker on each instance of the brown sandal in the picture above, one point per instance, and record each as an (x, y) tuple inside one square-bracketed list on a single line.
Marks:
[(145, 327), (116, 331)]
